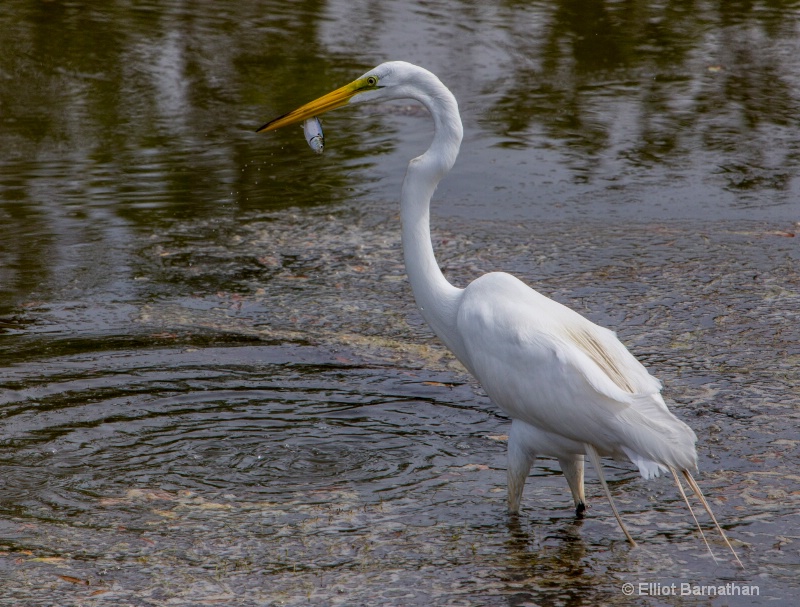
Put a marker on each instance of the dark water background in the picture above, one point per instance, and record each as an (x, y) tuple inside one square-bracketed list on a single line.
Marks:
[(215, 387)]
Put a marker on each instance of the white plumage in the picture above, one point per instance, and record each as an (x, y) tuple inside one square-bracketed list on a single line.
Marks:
[(571, 387), (549, 367)]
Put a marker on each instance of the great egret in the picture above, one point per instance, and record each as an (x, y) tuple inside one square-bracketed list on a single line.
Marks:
[(570, 386)]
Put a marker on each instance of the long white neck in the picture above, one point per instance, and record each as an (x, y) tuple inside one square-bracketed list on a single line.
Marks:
[(436, 298)]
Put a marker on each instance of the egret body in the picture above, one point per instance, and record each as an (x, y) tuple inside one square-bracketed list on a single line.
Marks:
[(571, 387)]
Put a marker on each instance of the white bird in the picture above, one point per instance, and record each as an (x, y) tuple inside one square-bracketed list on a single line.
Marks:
[(570, 386)]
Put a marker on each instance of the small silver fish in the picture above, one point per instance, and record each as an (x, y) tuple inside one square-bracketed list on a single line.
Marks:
[(313, 132)]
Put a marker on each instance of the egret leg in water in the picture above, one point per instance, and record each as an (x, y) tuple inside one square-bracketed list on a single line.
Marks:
[(570, 386)]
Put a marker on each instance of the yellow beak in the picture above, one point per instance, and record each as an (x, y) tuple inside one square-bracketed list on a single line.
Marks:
[(326, 103)]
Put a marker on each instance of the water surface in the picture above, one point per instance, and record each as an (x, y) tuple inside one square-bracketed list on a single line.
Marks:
[(216, 388)]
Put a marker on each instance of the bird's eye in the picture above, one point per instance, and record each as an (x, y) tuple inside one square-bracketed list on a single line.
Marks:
[(372, 81)]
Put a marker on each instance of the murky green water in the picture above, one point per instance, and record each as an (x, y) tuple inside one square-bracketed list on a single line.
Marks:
[(215, 387)]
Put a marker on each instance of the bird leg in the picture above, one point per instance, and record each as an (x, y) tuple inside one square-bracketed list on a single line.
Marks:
[(696, 488), (572, 468), (520, 460), (592, 453)]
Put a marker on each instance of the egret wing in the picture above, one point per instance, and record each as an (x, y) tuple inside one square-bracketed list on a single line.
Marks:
[(549, 366)]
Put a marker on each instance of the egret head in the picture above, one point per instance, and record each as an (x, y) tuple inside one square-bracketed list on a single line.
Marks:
[(391, 80)]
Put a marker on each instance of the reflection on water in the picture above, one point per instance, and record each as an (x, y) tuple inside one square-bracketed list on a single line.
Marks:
[(688, 83), (216, 387), (119, 120)]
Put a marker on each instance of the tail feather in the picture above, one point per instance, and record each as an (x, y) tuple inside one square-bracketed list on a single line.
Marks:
[(592, 453), (689, 506), (696, 488), (654, 438), (647, 467)]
